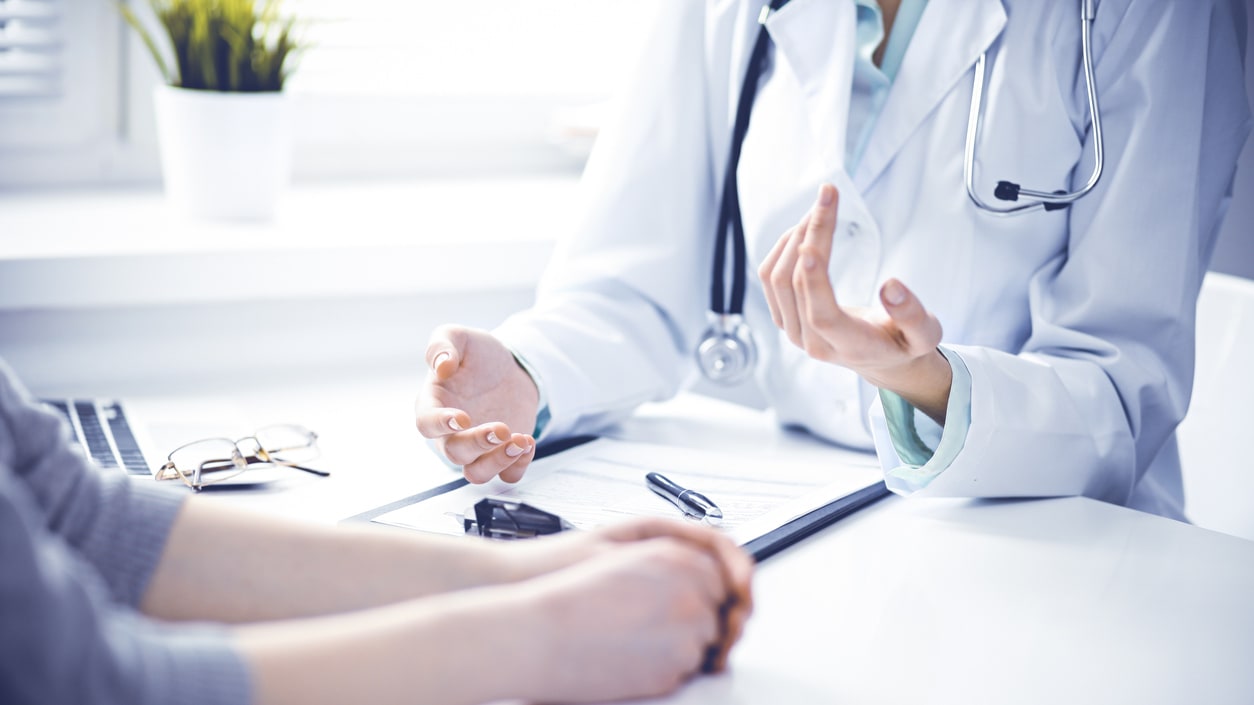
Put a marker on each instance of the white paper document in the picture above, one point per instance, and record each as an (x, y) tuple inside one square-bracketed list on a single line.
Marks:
[(603, 481)]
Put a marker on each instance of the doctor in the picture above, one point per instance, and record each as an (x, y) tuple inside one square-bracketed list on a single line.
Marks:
[(1039, 353)]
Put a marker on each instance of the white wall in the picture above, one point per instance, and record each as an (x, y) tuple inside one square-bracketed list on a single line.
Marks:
[(146, 349)]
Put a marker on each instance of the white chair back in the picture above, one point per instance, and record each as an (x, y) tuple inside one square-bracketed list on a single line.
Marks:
[(1217, 437)]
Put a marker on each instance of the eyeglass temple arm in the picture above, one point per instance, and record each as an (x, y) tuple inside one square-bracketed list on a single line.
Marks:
[(255, 460), (315, 471)]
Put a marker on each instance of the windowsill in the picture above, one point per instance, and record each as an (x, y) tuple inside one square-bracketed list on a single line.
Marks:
[(97, 248)]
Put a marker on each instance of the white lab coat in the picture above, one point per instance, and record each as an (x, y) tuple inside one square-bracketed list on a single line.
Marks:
[(1076, 325)]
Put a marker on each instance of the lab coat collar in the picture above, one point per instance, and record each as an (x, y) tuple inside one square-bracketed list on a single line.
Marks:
[(950, 38), (817, 38)]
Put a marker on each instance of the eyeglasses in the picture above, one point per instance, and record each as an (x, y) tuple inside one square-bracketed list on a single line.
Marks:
[(211, 461), (503, 519)]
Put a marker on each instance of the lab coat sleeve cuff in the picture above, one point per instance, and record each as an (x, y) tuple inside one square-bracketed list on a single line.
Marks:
[(542, 406), (919, 463), (903, 429), (541, 358)]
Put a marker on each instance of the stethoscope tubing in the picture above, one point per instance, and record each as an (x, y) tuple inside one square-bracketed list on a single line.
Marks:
[(729, 210), (975, 125)]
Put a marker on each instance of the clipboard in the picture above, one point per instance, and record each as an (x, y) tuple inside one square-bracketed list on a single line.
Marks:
[(761, 547), (543, 450), (807, 525)]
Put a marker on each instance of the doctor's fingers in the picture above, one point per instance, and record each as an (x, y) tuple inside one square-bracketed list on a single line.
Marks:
[(768, 266), (780, 284), (515, 471), (501, 461), (466, 446), (435, 421), (822, 318), (821, 224), (816, 300), (444, 350), (919, 328)]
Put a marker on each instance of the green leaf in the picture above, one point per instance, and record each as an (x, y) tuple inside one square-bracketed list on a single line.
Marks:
[(224, 45), (146, 36)]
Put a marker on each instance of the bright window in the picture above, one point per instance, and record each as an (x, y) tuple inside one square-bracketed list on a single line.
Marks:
[(386, 87), (456, 86), (555, 48)]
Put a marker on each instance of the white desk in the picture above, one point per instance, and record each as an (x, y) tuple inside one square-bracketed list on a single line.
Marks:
[(909, 601)]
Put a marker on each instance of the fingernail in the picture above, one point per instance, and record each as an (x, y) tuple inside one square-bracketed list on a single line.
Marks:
[(826, 193), (493, 439), (435, 364), (513, 451), (894, 293), (452, 423)]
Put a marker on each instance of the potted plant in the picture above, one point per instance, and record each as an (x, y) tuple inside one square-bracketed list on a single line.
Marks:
[(223, 123)]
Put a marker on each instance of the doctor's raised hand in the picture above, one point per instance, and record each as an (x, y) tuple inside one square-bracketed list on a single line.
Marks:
[(478, 405), (895, 349)]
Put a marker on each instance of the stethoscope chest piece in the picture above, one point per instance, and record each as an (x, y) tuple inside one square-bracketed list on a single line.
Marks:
[(727, 353)]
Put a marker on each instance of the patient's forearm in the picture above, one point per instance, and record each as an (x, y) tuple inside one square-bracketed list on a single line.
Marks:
[(467, 647), (225, 565)]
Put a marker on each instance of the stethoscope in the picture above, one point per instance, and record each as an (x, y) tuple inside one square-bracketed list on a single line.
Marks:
[(727, 353), (1009, 191)]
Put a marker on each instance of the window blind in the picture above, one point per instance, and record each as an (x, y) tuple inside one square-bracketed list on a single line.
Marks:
[(31, 48)]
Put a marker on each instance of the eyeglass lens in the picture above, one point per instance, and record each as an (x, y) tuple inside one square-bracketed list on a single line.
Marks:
[(209, 461), (217, 460)]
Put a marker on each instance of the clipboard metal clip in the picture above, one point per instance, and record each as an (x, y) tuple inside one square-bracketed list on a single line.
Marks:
[(498, 518)]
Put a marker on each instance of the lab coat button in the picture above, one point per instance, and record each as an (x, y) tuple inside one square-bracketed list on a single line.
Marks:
[(854, 229)]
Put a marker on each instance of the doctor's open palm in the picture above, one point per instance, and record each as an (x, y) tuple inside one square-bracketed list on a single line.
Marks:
[(895, 349), (478, 404)]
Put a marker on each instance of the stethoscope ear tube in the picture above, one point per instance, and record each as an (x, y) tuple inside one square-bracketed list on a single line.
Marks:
[(730, 224), (727, 352), (1009, 191)]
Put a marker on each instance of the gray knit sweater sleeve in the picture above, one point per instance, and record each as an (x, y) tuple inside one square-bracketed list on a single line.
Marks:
[(77, 548)]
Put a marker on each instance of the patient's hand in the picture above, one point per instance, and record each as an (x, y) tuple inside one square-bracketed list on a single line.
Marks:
[(478, 404), (529, 559), (634, 621)]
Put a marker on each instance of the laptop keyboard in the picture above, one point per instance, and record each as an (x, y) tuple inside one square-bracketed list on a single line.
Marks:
[(102, 429)]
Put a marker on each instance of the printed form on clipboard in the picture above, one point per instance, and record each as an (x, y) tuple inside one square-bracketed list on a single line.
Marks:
[(767, 503)]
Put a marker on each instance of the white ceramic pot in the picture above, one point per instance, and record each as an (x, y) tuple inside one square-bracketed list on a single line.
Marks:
[(224, 155)]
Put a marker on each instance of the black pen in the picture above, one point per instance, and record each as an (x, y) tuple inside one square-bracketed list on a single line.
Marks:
[(693, 504)]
